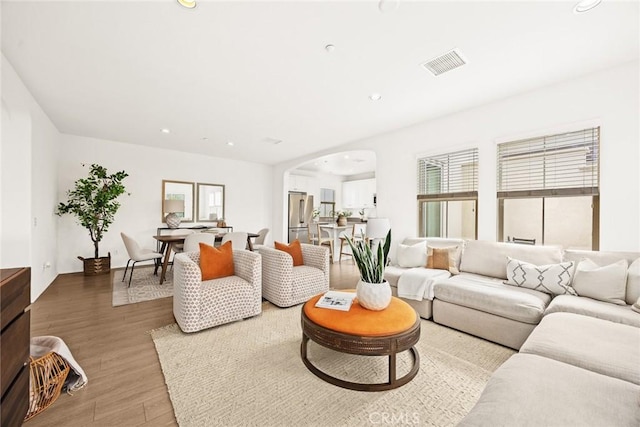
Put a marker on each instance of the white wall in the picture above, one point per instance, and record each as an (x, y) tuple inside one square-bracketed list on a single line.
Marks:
[(315, 181), (248, 193), (609, 98), (28, 159)]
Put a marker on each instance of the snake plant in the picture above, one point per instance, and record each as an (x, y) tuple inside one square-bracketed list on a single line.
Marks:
[(370, 262)]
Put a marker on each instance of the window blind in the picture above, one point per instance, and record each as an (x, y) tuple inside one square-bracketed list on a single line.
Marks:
[(563, 164), (448, 176)]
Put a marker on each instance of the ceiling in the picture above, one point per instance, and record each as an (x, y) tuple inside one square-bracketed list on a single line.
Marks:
[(257, 73), (345, 163)]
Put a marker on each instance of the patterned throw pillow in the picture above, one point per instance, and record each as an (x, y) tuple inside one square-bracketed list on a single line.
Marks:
[(294, 249), (216, 262), (443, 258), (554, 279)]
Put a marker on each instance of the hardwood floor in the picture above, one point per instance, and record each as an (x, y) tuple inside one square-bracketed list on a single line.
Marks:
[(126, 386)]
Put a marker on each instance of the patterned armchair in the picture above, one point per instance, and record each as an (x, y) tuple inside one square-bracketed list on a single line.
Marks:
[(200, 305), (285, 285)]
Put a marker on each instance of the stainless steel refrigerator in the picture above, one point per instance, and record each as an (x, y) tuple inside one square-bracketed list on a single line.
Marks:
[(300, 215)]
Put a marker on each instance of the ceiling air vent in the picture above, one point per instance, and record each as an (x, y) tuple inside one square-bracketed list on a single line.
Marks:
[(443, 63)]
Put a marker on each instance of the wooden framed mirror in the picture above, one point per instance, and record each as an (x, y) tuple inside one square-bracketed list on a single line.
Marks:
[(178, 190), (210, 202)]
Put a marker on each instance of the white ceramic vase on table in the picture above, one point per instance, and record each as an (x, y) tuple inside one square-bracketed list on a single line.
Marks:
[(373, 296)]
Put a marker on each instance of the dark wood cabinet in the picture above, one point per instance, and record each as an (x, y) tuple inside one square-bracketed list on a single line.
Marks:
[(15, 297)]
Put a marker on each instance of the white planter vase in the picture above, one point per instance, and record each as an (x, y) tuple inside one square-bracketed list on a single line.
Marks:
[(374, 296)]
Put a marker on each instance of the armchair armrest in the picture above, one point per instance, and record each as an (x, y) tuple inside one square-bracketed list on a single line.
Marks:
[(187, 281), (316, 256), (248, 266), (187, 275), (277, 266)]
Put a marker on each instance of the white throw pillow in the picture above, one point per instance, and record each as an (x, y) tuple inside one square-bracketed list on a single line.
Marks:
[(633, 282), (412, 256), (608, 283), (554, 279)]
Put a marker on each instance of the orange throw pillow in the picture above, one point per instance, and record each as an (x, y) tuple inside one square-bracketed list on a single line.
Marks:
[(294, 249), (216, 263)]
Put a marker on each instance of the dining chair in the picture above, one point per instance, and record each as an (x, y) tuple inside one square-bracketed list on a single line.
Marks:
[(176, 248), (192, 241), (325, 239), (262, 235), (238, 239), (137, 254), (356, 233), (312, 234)]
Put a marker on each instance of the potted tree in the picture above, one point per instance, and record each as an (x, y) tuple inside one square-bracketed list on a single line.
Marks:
[(373, 292), (94, 202)]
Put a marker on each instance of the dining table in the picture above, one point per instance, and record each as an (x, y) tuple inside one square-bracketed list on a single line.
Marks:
[(168, 241), (334, 231)]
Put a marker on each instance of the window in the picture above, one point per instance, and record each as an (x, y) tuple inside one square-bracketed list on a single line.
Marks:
[(448, 195), (548, 189)]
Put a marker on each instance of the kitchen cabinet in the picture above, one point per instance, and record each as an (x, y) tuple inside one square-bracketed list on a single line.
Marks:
[(358, 194), (298, 183)]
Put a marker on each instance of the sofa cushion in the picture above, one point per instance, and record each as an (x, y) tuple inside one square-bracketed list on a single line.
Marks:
[(529, 390), (598, 309), (572, 338), (490, 258), (605, 258), (553, 279), (607, 283), (412, 255), (494, 297), (392, 273)]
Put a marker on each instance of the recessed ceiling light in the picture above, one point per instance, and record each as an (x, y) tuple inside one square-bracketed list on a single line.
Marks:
[(375, 97), (329, 48), (585, 5), (189, 4), (230, 143), (346, 156), (165, 130)]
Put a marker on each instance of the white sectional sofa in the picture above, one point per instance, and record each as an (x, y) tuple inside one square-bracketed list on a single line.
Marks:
[(477, 300), (579, 359)]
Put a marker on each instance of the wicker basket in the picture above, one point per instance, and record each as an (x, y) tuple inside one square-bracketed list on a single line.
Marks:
[(47, 375)]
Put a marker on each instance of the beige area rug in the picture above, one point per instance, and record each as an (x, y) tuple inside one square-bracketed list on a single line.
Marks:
[(250, 373), (144, 286)]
